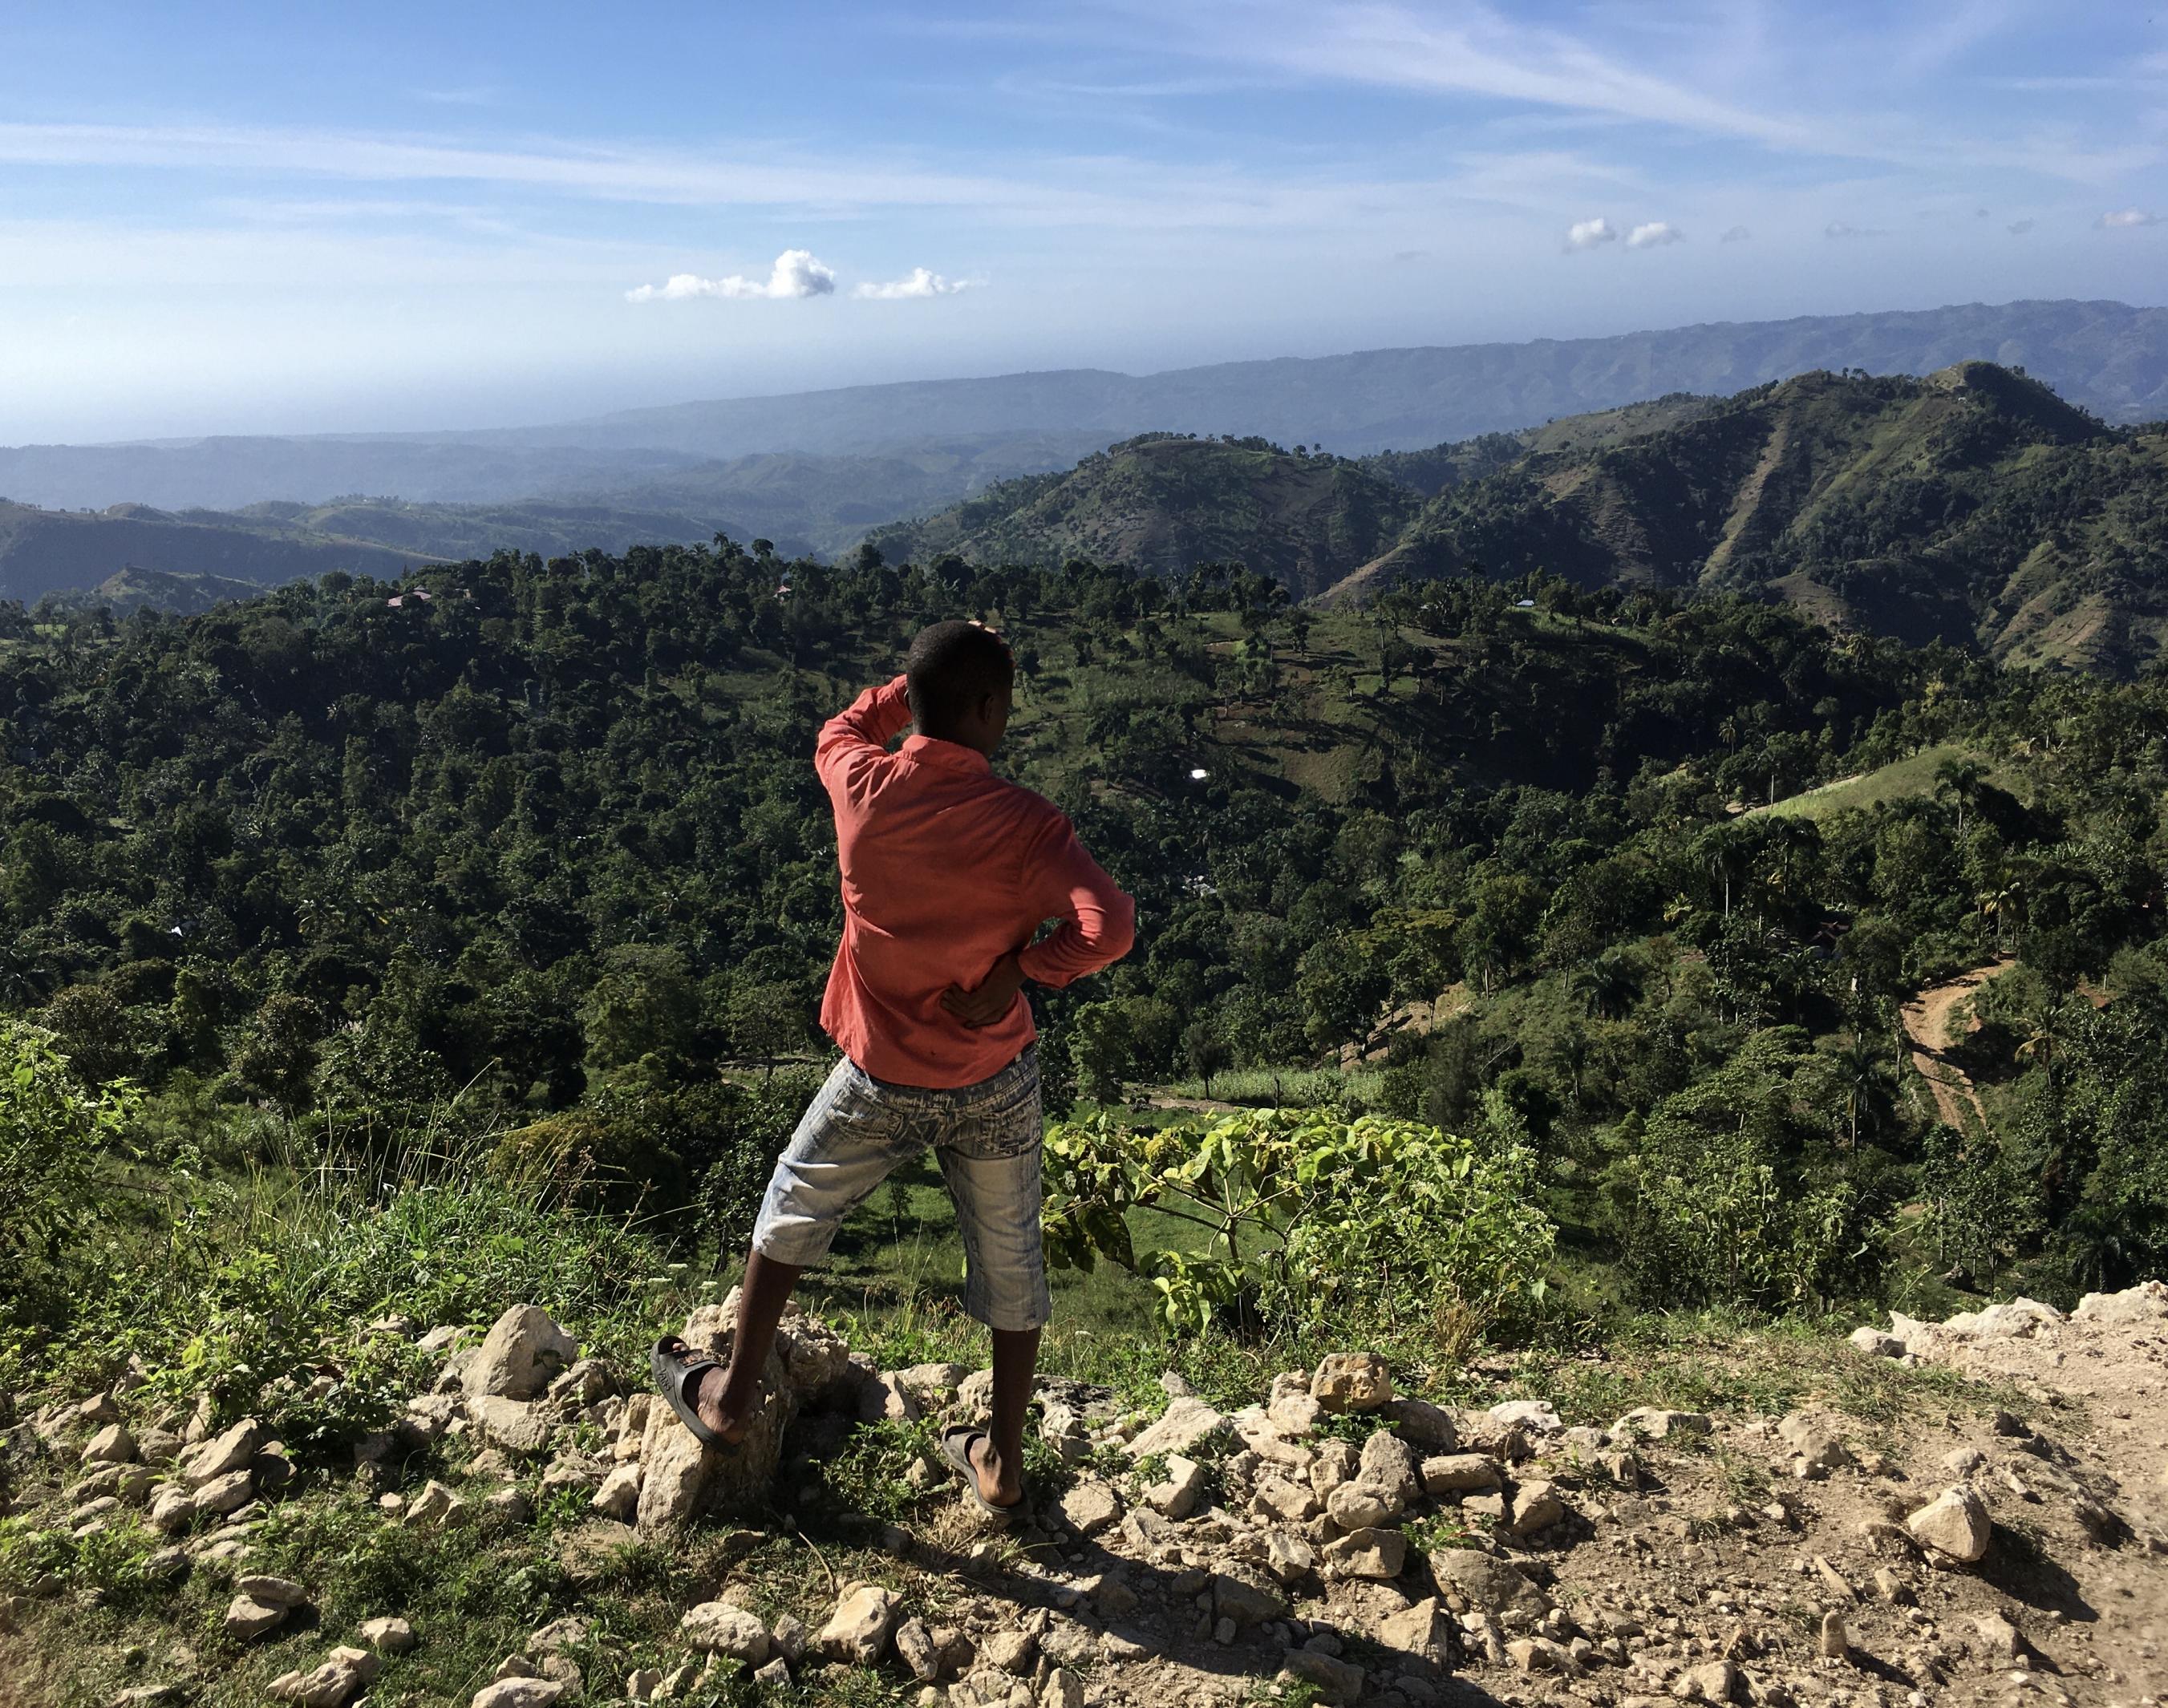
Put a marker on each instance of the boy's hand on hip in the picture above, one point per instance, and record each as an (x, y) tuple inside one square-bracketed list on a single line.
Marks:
[(993, 997)]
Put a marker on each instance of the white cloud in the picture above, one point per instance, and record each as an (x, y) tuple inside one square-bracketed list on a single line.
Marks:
[(1654, 235), (796, 273), (2127, 217), (919, 282), (1588, 233), (1737, 234)]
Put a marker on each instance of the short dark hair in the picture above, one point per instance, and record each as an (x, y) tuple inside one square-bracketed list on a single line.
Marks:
[(951, 667)]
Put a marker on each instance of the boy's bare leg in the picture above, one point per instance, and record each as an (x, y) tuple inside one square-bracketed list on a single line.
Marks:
[(1000, 1458), (726, 1399)]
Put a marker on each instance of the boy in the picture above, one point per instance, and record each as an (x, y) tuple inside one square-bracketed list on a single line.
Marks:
[(947, 872)]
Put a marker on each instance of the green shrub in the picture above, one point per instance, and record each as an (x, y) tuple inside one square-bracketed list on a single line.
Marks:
[(53, 1136), (1308, 1218)]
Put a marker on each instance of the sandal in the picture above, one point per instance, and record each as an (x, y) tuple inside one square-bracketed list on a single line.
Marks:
[(677, 1369), (956, 1448)]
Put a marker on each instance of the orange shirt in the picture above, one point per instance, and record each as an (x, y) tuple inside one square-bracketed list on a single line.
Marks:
[(946, 868)]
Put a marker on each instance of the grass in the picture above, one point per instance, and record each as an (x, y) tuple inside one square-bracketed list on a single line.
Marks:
[(1903, 779)]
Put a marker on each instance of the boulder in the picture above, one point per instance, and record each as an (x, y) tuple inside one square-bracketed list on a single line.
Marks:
[(1360, 1505), (1392, 1465), (111, 1445), (857, 1630), (1954, 1525), (618, 1497), (1456, 1473), (1289, 1557), (1177, 1497), (1423, 1629), (1714, 1681), (388, 1636), (272, 1592), (1246, 1597), (914, 1648), (1295, 1413), (1010, 1651), (1534, 1417), (1336, 1681), (436, 1508), (1351, 1381), (1186, 1426), (247, 1619), (1367, 1553), (516, 1426), (2015, 1319), (1654, 1424), (344, 1673), (2146, 1304), (1536, 1507), (518, 1693), (1430, 1427), (524, 1352), (1877, 1342), (226, 1494), (1479, 1583), (1092, 1506), (718, 1628), (1277, 1500), (1813, 1436), (1997, 1638), (223, 1454), (172, 1510), (681, 1479)]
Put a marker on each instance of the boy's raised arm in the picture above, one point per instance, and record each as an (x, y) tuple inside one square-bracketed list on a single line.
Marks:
[(861, 732)]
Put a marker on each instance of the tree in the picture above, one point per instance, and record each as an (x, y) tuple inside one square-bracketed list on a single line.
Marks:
[(1961, 779), (1205, 1050)]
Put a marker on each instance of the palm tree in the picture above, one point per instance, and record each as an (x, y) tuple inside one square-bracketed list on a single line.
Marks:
[(1609, 984), (1962, 778)]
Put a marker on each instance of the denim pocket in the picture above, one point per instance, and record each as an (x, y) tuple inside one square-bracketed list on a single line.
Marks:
[(1002, 1119)]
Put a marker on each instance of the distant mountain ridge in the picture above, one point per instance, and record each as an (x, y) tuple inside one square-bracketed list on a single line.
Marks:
[(2106, 357), (1974, 506)]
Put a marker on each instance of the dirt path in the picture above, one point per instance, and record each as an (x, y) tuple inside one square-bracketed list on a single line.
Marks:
[(1926, 1020)]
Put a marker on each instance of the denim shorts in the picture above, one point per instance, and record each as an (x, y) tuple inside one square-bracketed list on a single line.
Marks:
[(859, 1129)]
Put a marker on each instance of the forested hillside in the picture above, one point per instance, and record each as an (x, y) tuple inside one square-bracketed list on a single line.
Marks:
[(549, 841), (1974, 506), (1164, 501)]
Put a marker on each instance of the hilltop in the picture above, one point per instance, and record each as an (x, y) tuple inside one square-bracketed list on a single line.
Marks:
[(1974, 506), (1163, 503)]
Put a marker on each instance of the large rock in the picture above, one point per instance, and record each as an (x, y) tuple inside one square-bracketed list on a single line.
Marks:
[(1479, 1583), (1185, 1426), (518, 1693), (524, 1352), (247, 1618), (1336, 1681), (1391, 1464), (1954, 1525), (1430, 1427), (2016, 1319), (1422, 1629), (1536, 1507), (388, 1636), (226, 1494), (1246, 1597), (619, 1496), (680, 1479), (1654, 1424), (517, 1426), (1178, 1495), (343, 1675), (111, 1445), (1367, 1553), (857, 1630), (1351, 1381), (2146, 1302), (1092, 1506), (1457, 1473), (722, 1629), (223, 1454)]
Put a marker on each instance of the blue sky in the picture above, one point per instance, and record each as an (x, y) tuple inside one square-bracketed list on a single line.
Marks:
[(313, 216)]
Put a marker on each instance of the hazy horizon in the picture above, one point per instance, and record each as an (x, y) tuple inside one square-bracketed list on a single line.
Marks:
[(417, 222)]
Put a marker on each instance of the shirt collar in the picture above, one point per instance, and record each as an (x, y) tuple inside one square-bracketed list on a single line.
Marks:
[(951, 755)]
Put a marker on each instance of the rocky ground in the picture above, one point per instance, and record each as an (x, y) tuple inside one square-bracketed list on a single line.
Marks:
[(1333, 1541)]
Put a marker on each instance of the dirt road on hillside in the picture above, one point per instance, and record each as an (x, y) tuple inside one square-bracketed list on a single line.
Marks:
[(1926, 1019)]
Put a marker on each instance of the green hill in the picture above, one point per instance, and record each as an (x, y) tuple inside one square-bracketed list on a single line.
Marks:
[(1164, 502), (1973, 506)]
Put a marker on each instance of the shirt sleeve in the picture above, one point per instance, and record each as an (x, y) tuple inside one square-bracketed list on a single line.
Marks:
[(1098, 921), (859, 734)]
